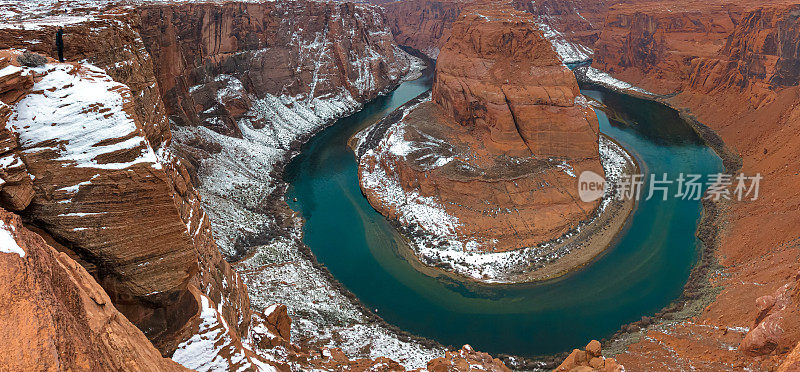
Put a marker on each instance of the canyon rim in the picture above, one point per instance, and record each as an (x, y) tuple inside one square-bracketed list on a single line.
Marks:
[(144, 224)]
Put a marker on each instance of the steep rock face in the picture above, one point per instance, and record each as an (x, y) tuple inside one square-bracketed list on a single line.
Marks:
[(489, 163), (573, 25), (503, 77), (111, 43), (244, 82), (580, 21), (16, 187), (105, 193), (651, 39), (423, 25), (261, 47), (55, 315), (739, 83), (759, 56)]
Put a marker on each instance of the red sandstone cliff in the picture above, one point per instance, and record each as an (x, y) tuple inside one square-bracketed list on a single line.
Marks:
[(426, 25), (271, 49), (500, 78), (489, 164), (245, 82), (104, 193), (56, 317), (110, 191), (733, 66)]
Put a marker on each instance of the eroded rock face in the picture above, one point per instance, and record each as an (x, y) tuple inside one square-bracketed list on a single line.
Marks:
[(103, 192), (775, 328), (113, 44), (56, 316), (728, 64), (426, 24), (245, 82), (16, 188), (260, 47), (651, 39), (466, 359), (501, 79), (488, 164), (422, 24)]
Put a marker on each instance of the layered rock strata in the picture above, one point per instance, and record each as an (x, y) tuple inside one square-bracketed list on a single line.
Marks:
[(207, 308), (57, 317), (489, 163), (127, 212), (245, 82), (572, 26), (732, 66)]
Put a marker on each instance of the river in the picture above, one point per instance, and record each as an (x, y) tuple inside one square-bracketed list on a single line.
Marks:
[(643, 271)]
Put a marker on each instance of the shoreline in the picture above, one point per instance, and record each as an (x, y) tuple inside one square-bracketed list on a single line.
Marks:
[(708, 230), (594, 238), (284, 212), (698, 291)]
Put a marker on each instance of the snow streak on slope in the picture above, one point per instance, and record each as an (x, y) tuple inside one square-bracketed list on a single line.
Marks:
[(7, 242), (79, 114), (570, 52), (213, 348), (237, 179)]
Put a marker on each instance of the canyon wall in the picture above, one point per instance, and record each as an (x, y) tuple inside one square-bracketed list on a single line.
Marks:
[(733, 67), (423, 25), (244, 83), (572, 25), (126, 211)]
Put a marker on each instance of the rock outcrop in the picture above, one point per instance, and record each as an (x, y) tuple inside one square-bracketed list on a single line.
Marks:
[(57, 317), (589, 359), (101, 190), (489, 163), (775, 329), (500, 78), (16, 187), (466, 359)]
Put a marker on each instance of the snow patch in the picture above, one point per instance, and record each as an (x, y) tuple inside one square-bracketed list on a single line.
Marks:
[(7, 242), (79, 115), (602, 78)]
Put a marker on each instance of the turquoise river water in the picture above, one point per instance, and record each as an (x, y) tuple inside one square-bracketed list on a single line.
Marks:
[(638, 275)]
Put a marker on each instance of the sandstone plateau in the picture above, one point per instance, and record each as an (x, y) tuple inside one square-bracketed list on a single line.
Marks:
[(489, 163)]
